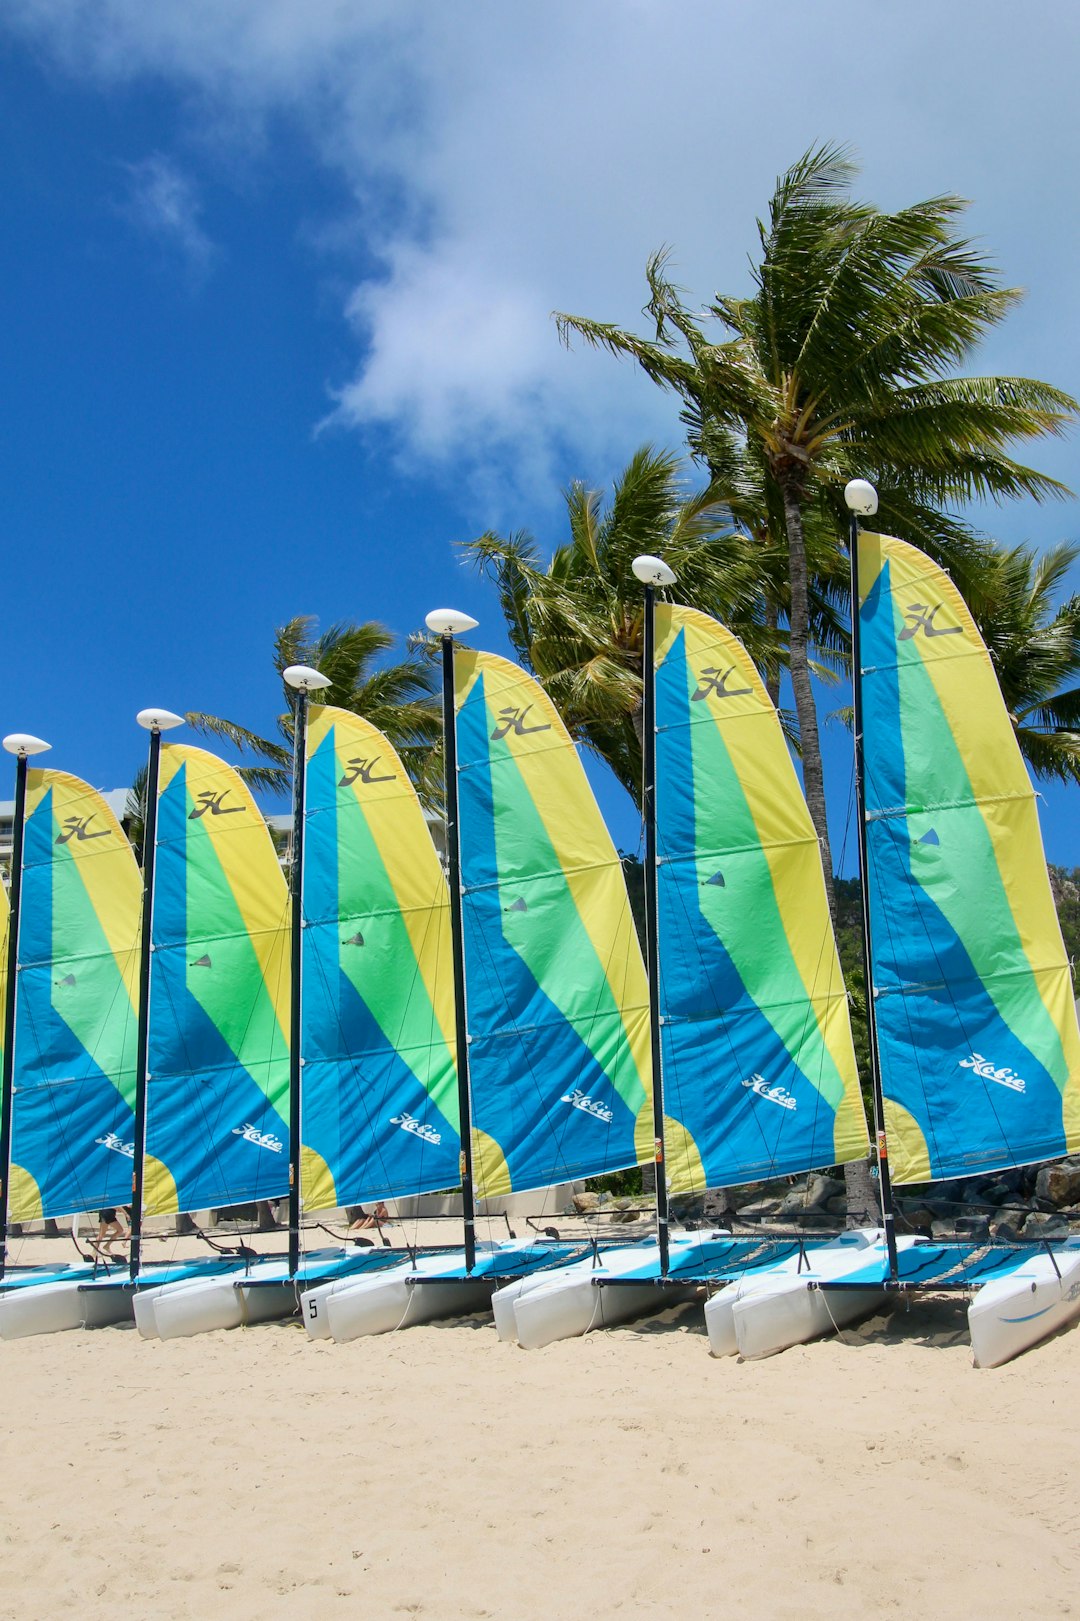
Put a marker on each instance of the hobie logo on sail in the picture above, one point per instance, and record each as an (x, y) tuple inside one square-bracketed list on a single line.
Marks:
[(987, 1071), (713, 683), (921, 617), (773, 1094), (364, 771), (118, 1146), (409, 1123), (261, 1139), (75, 828), (578, 1099), (213, 804), (513, 720)]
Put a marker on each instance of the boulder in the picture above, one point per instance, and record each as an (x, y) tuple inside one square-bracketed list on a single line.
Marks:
[(1005, 1232), (585, 1204), (1058, 1184), (1039, 1225)]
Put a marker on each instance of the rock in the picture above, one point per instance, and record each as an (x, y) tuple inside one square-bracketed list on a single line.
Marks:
[(688, 1207), (974, 1227), (942, 1229), (1005, 1232), (585, 1204), (915, 1217), (821, 1189), (1059, 1184), (814, 1194), (1039, 1225), (997, 1193)]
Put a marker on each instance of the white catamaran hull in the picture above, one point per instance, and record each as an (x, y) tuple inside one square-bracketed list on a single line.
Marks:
[(791, 1273), (786, 1311), (224, 1302), (1014, 1313), (50, 1308), (573, 1300), (401, 1297)]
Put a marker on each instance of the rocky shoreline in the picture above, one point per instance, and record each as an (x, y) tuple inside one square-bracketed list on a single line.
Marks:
[(1036, 1203)]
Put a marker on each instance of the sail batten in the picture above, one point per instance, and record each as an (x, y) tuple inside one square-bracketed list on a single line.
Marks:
[(979, 1046), (557, 1001), (758, 1063)]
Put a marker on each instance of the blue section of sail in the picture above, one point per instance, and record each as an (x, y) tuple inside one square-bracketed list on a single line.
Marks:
[(525, 1057), (933, 1011), (356, 1086), (207, 1120), (69, 1121), (715, 1039)]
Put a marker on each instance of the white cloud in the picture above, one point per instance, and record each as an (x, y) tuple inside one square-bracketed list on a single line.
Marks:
[(164, 202), (505, 160)]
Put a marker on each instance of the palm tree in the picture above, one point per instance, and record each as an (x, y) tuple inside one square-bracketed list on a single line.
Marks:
[(1035, 647), (577, 623), (840, 364), (397, 698)]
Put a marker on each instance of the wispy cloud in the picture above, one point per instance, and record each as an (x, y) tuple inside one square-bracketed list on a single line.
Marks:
[(505, 161), (164, 203)]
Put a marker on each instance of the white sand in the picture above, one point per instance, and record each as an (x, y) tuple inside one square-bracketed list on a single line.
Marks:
[(437, 1473)]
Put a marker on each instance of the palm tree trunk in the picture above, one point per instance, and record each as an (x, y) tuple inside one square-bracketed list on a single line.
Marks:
[(805, 708)]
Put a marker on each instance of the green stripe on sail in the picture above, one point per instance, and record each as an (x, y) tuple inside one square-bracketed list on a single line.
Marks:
[(96, 1008), (238, 1003), (758, 946), (410, 1024), (965, 881), (563, 955)]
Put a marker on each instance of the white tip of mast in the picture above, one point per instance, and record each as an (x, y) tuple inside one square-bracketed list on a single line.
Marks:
[(159, 720), (304, 678), (861, 497), (24, 743), (652, 571), (449, 622)]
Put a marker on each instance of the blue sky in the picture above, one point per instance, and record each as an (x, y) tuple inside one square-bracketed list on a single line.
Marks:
[(278, 279)]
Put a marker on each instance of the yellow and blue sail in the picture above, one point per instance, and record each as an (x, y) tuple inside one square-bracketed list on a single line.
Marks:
[(556, 992), (759, 1068), (218, 1054), (977, 1031), (73, 1099), (380, 1107)]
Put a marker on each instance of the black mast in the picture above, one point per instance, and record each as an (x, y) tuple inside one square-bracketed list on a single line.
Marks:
[(21, 744), (861, 497), (303, 680), (155, 721), (445, 622), (652, 573)]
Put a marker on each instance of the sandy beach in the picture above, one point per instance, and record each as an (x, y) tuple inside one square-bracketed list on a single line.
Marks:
[(438, 1473)]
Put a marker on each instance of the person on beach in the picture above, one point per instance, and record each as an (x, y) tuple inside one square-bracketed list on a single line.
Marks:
[(364, 1221), (112, 1229)]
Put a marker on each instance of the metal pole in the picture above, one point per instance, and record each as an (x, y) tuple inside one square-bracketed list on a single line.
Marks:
[(9, 1002), (888, 1209), (296, 930), (453, 873), (146, 947), (652, 950)]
